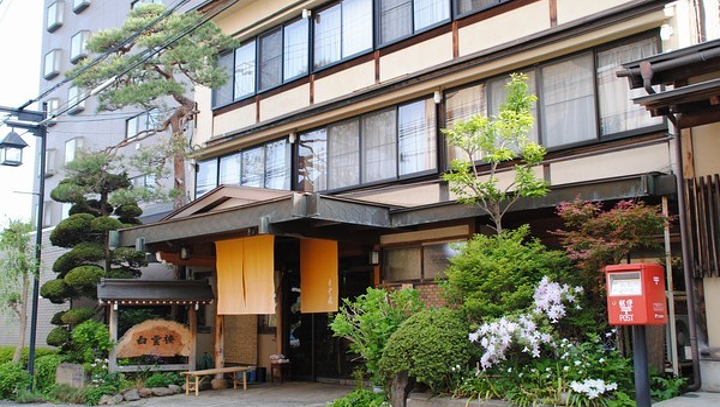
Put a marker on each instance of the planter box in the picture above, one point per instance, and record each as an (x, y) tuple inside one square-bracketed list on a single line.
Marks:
[(71, 374)]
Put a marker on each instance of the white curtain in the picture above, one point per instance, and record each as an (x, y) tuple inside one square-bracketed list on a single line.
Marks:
[(460, 105), (343, 154), (277, 165), (245, 70), (327, 24), (379, 140), (230, 169), (568, 102), (295, 52), (357, 26), (252, 167), (429, 12), (416, 137), (206, 177), (618, 113)]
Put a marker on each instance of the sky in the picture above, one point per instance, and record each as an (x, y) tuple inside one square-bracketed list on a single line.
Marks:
[(20, 47)]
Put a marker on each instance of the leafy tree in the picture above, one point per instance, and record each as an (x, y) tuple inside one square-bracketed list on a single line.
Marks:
[(18, 266), (495, 140), (369, 320), (157, 67), (101, 197), (595, 238)]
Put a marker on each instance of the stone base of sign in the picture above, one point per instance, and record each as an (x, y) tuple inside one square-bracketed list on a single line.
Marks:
[(219, 384), (71, 374)]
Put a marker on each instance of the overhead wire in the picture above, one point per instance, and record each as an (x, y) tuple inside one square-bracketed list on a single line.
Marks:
[(107, 53), (150, 54)]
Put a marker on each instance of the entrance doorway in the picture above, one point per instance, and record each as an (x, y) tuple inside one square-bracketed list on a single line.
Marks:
[(309, 341)]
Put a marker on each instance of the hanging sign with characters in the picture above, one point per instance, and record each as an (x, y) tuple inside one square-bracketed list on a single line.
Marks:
[(155, 337)]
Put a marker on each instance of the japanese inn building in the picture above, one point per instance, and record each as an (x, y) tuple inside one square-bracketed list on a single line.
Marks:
[(321, 168)]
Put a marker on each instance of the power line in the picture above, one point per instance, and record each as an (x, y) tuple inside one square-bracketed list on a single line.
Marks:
[(150, 54), (107, 53)]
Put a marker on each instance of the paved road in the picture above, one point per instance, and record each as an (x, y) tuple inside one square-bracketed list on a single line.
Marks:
[(289, 394)]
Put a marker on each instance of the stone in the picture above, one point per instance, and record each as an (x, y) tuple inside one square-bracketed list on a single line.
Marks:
[(131, 395), (161, 391), (110, 400), (145, 392), (175, 388), (219, 384), (71, 374)]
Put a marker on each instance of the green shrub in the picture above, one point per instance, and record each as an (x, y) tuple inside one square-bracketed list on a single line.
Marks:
[(370, 319), (72, 230), (361, 398), (429, 346), (90, 340), (55, 290), (45, 368), (81, 254), (128, 211), (104, 224), (496, 275), (57, 318), (58, 336), (84, 279), (162, 379), (93, 394), (78, 315), (13, 377), (25, 396), (6, 353)]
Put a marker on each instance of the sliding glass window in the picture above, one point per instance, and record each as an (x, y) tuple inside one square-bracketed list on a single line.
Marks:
[(245, 70), (402, 18), (341, 31)]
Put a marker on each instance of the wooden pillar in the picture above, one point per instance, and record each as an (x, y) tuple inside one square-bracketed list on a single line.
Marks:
[(192, 322), (113, 328), (219, 342)]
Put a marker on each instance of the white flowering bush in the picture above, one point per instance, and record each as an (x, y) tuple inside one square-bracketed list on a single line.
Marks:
[(524, 359)]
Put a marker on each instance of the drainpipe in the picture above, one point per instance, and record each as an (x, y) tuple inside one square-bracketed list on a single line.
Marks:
[(687, 267)]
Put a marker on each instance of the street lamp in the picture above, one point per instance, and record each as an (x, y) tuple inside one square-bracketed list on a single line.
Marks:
[(11, 155)]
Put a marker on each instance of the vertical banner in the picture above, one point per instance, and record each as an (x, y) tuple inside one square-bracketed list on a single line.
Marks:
[(318, 275), (245, 276), (230, 286)]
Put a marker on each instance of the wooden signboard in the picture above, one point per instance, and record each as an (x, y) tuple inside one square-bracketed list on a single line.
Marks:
[(155, 337)]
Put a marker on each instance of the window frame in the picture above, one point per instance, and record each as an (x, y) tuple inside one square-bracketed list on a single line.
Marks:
[(75, 101), (458, 15), (413, 31), (75, 143), (80, 5), (58, 17), (56, 55), (82, 52), (421, 245), (343, 58)]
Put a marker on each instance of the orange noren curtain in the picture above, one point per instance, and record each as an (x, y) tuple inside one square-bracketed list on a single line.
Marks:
[(318, 275), (245, 277)]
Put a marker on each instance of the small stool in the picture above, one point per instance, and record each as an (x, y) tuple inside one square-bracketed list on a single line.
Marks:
[(280, 371)]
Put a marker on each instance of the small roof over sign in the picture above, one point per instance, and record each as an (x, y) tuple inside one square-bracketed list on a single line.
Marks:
[(154, 292)]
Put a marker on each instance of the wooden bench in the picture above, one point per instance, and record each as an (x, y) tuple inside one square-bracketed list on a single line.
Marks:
[(197, 374)]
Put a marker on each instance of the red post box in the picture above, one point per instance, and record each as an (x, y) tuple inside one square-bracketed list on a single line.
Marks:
[(636, 294)]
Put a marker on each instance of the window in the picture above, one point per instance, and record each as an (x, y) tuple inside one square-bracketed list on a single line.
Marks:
[(463, 7), (424, 261), (47, 213), (567, 104), (55, 15), (76, 100), (65, 210), (78, 46), (80, 5), (72, 146), (402, 18), (341, 31), (379, 146), (141, 122), (396, 142), (580, 99), (270, 56), (53, 104), (224, 94), (230, 169), (417, 137), (147, 181), (51, 64), (244, 70), (263, 166), (296, 49), (617, 111), (50, 166), (206, 177)]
